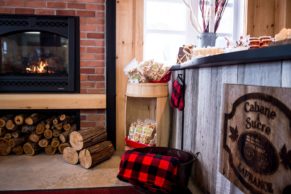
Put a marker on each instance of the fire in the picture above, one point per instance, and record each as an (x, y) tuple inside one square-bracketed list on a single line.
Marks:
[(38, 68)]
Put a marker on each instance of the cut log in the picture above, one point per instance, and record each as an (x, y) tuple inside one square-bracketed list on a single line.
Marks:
[(7, 136), (56, 133), (70, 155), (96, 154), (87, 137), (50, 150), (63, 117), (67, 127), (62, 146), (5, 149), (30, 148), (15, 134), (64, 137), (58, 126), (33, 137), (49, 122), (4, 119), (19, 119), (40, 128), (55, 142), (55, 120), (18, 150), (10, 125), (13, 142), (27, 128), (33, 119), (48, 133), (43, 143), (2, 131)]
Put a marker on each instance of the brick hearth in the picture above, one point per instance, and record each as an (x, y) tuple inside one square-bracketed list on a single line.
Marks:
[(92, 44)]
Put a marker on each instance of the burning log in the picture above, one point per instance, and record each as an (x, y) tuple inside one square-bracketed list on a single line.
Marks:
[(96, 154), (87, 137)]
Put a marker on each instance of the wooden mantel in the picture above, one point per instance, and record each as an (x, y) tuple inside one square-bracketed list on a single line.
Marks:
[(52, 101)]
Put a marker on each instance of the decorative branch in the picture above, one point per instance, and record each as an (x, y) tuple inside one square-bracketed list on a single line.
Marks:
[(193, 18)]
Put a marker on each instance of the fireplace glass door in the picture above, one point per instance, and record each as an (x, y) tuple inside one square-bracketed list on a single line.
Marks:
[(34, 53), (39, 53)]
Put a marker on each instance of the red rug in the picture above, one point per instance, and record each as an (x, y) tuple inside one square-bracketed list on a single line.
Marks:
[(111, 190)]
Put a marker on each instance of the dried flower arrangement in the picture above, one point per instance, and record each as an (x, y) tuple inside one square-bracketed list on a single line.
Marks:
[(211, 13)]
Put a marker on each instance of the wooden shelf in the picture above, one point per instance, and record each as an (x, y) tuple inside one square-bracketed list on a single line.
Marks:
[(52, 101)]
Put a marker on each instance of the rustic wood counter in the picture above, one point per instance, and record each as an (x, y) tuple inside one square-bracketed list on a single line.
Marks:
[(204, 80)]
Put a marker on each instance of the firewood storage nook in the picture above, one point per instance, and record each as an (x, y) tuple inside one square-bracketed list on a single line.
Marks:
[(203, 113)]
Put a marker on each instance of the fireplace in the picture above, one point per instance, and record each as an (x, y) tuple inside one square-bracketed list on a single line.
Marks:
[(39, 53)]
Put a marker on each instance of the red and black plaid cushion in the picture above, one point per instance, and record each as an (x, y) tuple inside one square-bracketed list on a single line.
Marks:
[(157, 173)]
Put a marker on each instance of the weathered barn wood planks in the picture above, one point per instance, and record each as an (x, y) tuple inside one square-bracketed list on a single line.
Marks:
[(203, 107)]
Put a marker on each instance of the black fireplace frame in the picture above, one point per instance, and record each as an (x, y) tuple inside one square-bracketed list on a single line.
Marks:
[(66, 26)]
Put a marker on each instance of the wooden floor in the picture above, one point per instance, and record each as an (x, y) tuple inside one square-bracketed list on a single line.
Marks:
[(51, 172)]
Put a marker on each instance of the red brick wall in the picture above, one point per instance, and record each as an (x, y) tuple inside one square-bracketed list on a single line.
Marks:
[(92, 43)]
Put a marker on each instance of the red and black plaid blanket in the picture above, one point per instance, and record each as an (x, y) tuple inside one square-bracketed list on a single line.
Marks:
[(157, 173)]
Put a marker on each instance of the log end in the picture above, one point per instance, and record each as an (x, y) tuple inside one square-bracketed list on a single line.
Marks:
[(5, 149), (70, 155), (85, 158), (76, 140)]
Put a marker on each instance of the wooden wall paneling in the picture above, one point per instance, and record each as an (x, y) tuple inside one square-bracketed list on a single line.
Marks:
[(250, 15), (266, 74), (190, 110), (202, 165), (288, 14), (128, 15), (206, 141), (261, 17), (223, 186), (286, 74), (280, 15)]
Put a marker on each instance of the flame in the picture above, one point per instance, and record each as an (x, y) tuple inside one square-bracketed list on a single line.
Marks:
[(38, 68)]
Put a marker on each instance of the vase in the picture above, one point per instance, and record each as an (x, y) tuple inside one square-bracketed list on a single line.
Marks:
[(207, 39)]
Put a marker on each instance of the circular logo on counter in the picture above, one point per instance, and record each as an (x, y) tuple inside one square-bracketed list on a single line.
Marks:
[(257, 138)]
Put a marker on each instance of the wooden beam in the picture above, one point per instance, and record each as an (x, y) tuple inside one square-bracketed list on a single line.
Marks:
[(52, 101), (129, 45)]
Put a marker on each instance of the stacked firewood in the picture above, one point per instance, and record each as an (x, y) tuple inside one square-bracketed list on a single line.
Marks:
[(88, 147), (31, 134)]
